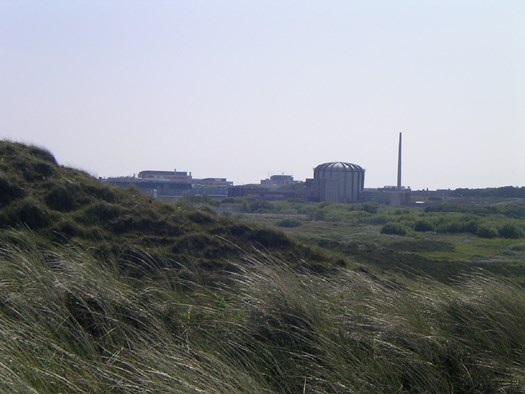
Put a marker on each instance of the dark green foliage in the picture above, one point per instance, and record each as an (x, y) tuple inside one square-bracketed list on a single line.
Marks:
[(41, 153), (505, 191), (25, 213), (236, 230), (100, 191), (144, 225), (510, 230), (102, 212), (394, 228), (513, 209), (26, 163), (9, 191), (377, 220), (516, 211), (466, 224), (485, 231), (203, 245), (258, 206), (269, 238), (68, 228), (201, 217), (61, 199), (289, 222), (34, 171), (371, 207), (319, 214), (423, 226)]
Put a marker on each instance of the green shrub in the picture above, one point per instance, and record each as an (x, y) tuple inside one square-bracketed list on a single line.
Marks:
[(466, 224), (319, 215), (394, 228), (510, 230), (485, 231), (370, 207), (259, 206), (423, 226)]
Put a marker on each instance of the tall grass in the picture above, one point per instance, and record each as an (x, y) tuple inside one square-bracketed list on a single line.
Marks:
[(72, 323)]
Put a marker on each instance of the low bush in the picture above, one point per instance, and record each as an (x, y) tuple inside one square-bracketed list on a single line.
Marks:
[(258, 206), (370, 207), (394, 228), (510, 230), (485, 231), (423, 226), (464, 224)]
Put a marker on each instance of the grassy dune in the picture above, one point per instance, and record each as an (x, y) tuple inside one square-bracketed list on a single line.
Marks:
[(73, 323), (104, 290)]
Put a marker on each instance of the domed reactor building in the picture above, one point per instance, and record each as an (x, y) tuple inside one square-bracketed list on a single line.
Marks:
[(344, 182), (336, 182)]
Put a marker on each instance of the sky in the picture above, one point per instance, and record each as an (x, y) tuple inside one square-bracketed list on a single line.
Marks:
[(244, 89)]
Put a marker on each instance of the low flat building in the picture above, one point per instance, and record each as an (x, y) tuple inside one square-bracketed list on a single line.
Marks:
[(278, 180), (390, 195), (155, 187)]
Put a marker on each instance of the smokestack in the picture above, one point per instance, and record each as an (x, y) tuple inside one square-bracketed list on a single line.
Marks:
[(399, 163)]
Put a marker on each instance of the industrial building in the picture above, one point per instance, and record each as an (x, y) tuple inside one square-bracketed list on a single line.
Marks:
[(278, 180), (339, 182), (173, 184), (336, 182), (390, 195), (344, 182), (393, 195)]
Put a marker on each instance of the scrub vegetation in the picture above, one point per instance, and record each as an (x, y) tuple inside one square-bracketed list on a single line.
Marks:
[(105, 290), (440, 240)]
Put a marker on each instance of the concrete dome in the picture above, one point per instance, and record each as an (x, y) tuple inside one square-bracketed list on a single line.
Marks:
[(339, 182), (338, 166)]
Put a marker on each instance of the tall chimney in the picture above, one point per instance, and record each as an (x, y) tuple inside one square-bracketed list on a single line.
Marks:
[(399, 163)]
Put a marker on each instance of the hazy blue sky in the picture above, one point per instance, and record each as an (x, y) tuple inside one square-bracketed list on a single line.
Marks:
[(245, 88)]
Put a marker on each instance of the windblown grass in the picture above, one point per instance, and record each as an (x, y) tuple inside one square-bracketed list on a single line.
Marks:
[(71, 322)]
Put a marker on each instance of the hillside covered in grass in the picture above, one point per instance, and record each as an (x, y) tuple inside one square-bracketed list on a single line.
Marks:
[(103, 290), (60, 205)]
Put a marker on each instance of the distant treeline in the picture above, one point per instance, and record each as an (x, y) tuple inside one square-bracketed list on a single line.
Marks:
[(516, 211), (505, 191)]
